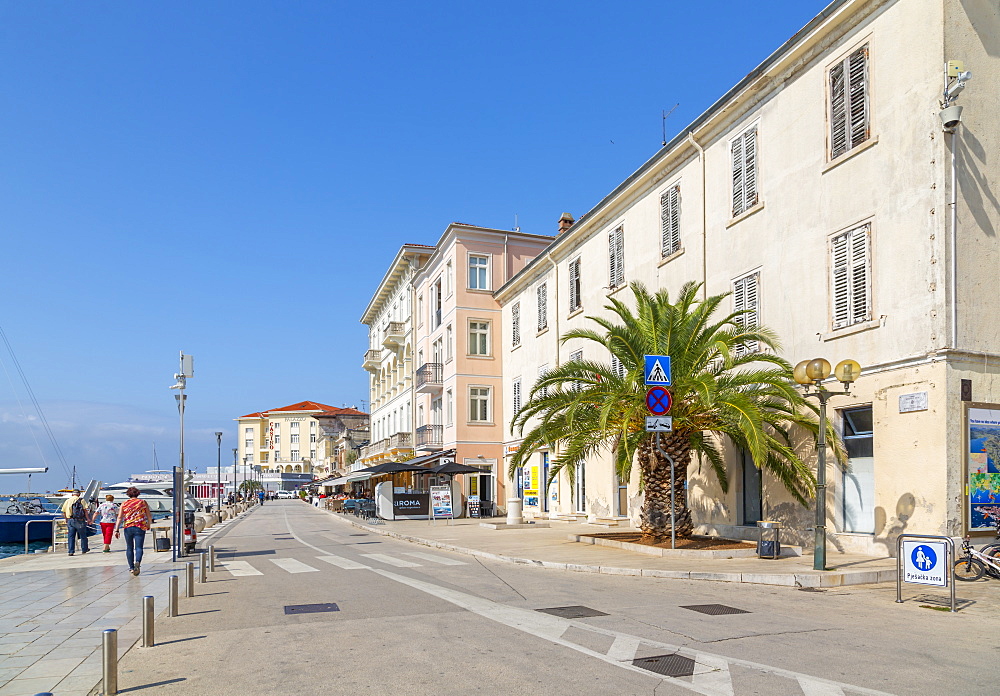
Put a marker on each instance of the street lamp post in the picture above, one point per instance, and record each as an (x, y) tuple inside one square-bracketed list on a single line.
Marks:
[(811, 374), (235, 473), (218, 475), (186, 370)]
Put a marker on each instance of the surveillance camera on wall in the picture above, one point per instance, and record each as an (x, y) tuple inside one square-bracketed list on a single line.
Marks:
[(951, 117)]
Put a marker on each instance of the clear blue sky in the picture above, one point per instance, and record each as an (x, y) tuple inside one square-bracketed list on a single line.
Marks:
[(231, 179)]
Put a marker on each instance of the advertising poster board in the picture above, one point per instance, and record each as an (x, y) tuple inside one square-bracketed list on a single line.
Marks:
[(531, 487), (441, 501), (984, 468), (473, 506)]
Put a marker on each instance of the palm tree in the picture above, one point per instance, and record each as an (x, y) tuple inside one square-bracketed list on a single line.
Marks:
[(728, 384)]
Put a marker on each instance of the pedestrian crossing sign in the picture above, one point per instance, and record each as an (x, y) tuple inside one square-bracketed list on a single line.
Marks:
[(658, 370)]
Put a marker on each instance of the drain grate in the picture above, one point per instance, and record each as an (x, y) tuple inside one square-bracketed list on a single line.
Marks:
[(572, 612), (715, 609), (672, 665), (310, 608)]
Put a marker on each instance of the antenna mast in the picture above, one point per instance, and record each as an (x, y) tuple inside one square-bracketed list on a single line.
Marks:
[(666, 115)]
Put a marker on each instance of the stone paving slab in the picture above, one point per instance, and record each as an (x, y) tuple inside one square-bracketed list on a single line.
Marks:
[(53, 609), (557, 549)]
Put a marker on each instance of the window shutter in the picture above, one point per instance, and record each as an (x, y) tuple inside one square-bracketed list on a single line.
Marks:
[(738, 165), (858, 76), (517, 396), (616, 254), (515, 321), (860, 299), (745, 297), (670, 221), (541, 373), (750, 168), (851, 282), (543, 318), (574, 285), (617, 369), (838, 112)]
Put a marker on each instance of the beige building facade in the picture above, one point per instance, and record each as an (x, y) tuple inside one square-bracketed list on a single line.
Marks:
[(819, 192), (458, 389)]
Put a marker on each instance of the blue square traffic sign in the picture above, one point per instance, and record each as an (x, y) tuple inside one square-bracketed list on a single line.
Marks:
[(658, 370)]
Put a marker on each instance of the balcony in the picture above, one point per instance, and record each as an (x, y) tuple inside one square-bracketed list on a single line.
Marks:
[(375, 449), (429, 378), (429, 437), (400, 442), (394, 334), (373, 358)]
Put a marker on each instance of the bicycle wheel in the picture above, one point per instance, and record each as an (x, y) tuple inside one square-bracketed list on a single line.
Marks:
[(968, 569), (991, 550)]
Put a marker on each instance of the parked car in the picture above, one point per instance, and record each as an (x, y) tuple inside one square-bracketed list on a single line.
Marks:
[(285, 495)]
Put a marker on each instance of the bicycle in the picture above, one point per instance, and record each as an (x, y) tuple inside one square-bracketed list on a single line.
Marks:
[(975, 564)]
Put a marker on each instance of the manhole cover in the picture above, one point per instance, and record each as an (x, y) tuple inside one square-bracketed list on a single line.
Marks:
[(715, 609), (310, 608), (672, 665), (573, 612)]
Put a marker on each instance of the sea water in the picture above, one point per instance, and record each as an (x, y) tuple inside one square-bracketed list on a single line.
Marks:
[(15, 549)]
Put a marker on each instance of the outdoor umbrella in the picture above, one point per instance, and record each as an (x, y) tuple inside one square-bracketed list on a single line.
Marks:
[(390, 468), (452, 468)]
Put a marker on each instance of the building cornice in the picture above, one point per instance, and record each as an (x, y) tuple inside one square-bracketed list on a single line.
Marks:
[(397, 269)]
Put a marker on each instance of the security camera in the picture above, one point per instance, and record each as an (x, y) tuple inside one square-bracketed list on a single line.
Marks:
[(951, 117)]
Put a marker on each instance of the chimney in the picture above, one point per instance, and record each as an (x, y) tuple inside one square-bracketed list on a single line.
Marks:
[(565, 222)]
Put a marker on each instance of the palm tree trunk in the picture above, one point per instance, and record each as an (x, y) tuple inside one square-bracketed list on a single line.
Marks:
[(655, 518)]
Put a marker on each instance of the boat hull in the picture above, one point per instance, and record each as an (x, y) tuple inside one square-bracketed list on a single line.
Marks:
[(12, 528)]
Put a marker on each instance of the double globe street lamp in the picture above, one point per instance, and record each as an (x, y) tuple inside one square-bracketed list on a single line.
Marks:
[(811, 374)]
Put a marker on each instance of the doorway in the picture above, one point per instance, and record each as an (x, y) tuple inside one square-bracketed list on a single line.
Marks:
[(858, 489), (752, 492)]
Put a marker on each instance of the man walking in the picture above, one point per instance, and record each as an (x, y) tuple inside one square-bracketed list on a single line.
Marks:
[(77, 517)]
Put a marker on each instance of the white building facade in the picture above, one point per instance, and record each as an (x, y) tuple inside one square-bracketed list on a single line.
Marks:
[(818, 191)]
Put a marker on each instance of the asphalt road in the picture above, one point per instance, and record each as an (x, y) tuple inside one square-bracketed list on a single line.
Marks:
[(411, 620)]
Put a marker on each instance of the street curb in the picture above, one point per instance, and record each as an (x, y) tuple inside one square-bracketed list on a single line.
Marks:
[(828, 579)]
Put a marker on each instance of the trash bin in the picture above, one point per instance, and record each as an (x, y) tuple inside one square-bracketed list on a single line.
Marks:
[(768, 548)]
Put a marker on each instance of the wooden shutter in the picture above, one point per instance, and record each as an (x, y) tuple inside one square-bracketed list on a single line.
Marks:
[(849, 107), (517, 396), (850, 284), (543, 311), (738, 184), (616, 257), (544, 391), (750, 168), (838, 112), (574, 285), (670, 221), (515, 324), (745, 297)]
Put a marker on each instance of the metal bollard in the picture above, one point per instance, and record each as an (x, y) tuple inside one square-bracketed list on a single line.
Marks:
[(211, 558), (148, 640), (172, 596), (189, 584), (202, 568), (110, 662)]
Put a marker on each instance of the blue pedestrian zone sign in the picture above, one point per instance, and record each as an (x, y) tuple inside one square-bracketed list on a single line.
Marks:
[(924, 563), (657, 371)]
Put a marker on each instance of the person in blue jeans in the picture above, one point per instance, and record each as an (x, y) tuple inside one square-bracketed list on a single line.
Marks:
[(77, 517), (136, 519)]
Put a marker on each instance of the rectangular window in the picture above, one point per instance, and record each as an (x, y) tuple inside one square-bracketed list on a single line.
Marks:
[(248, 444), (248, 431), (543, 306), (420, 310), (744, 151), (858, 488), (576, 356), (294, 426), (448, 276), (479, 338), (449, 403), (448, 333), (277, 439), (541, 373), (479, 404), (295, 456), (312, 454), (851, 281), (436, 304), (849, 108), (616, 257), (515, 324), (295, 439), (516, 395), (312, 437), (575, 301), (617, 369), (670, 221), (745, 299), (478, 267), (437, 351)]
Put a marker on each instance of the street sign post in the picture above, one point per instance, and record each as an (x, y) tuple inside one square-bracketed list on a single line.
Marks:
[(658, 371), (659, 424), (928, 561), (658, 401)]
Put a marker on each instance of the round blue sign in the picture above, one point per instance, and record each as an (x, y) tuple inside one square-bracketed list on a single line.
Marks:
[(658, 401), (923, 558)]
